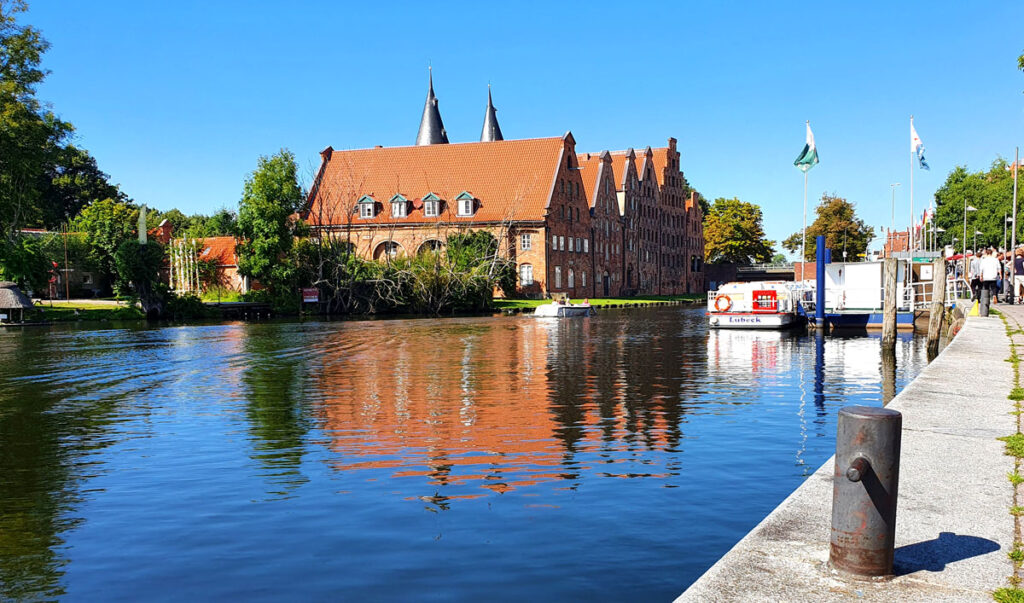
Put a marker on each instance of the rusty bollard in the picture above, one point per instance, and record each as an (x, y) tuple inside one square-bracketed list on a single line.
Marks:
[(864, 491)]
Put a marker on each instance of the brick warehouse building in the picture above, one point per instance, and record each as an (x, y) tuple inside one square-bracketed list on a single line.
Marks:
[(586, 225)]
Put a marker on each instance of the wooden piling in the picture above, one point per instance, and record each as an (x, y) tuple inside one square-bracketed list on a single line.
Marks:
[(889, 304), (938, 309)]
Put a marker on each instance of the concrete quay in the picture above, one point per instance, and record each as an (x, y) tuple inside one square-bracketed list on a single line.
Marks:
[(953, 526)]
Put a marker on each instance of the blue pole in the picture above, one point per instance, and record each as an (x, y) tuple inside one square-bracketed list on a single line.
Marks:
[(819, 299)]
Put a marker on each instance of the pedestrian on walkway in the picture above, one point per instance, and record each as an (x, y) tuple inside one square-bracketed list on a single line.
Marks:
[(989, 272), (973, 273), (1018, 274)]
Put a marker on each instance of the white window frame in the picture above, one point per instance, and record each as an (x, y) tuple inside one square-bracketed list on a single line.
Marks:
[(586, 245), (525, 274), (570, 245), (561, 243), (399, 209), (431, 209), (558, 277), (525, 241), (554, 242), (572, 279), (465, 207), (366, 210)]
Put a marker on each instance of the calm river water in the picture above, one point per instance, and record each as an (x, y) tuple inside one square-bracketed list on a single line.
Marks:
[(512, 458)]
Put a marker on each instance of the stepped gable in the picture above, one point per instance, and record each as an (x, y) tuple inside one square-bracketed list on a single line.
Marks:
[(510, 180)]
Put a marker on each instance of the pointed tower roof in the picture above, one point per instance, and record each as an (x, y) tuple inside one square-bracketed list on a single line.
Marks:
[(491, 131), (431, 128)]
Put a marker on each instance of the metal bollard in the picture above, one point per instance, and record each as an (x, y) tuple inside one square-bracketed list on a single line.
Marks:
[(864, 491)]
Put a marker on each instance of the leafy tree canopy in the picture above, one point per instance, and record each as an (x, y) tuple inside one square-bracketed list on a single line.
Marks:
[(271, 195), (733, 233), (990, 192), (106, 225), (837, 220), (43, 180)]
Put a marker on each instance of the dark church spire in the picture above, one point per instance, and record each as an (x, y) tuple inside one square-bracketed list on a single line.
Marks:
[(431, 127), (492, 131)]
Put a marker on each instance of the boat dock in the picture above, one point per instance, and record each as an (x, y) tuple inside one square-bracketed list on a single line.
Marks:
[(954, 529)]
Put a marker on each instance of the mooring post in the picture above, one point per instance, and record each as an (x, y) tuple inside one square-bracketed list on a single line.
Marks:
[(866, 481), (938, 309), (819, 282), (889, 304)]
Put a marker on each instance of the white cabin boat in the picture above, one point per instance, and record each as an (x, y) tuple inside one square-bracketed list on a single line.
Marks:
[(757, 305), (560, 309)]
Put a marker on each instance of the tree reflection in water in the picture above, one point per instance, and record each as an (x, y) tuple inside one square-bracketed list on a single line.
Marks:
[(276, 365)]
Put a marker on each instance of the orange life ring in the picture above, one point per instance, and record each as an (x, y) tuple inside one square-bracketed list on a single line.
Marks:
[(718, 303)]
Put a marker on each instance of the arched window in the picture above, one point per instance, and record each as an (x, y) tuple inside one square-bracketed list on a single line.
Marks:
[(432, 245), (558, 277), (525, 274), (572, 278), (387, 249)]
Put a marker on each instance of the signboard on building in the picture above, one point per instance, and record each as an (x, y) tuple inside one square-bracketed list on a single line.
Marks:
[(310, 295)]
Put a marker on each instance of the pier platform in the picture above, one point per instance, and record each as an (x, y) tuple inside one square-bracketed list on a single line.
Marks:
[(953, 526)]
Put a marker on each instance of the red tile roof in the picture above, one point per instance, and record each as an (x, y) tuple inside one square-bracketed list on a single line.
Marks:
[(220, 249), (619, 167), (510, 180), (590, 167)]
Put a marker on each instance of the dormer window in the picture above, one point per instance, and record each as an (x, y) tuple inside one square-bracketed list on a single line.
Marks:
[(466, 204), (399, 207), (367, 207), (431, 206)]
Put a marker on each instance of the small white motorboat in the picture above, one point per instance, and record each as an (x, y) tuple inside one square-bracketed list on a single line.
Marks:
[(563, 309), (758, 305)]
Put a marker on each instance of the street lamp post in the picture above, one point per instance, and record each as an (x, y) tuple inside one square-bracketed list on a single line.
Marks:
[(976, 233), (935, 237)]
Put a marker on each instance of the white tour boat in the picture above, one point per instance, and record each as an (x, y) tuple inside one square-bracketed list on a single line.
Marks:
[(757, 305), (563, 309)]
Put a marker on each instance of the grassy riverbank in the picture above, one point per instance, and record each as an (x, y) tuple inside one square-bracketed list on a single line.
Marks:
[(512, 304), (89, 310)]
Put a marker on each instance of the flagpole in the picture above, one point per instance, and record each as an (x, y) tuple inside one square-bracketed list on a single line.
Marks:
[(803, 235), (912, 222)]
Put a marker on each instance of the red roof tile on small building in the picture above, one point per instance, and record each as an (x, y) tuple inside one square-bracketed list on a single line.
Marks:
[(219, 249)]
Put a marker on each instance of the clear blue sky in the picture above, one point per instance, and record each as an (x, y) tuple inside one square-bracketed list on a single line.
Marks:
[(178, 100)]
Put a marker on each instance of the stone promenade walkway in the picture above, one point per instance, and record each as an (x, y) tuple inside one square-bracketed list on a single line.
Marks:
[(954, 529)]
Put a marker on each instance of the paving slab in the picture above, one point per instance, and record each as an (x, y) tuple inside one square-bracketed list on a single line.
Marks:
[(953, 528)]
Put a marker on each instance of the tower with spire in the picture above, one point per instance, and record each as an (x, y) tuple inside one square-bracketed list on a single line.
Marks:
[(431, 127), (491, 131)]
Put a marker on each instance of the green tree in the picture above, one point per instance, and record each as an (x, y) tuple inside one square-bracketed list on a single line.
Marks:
[(733, 233), (989, 192), (106, 224), (267, 225), (138, 266), (71, 181), (30, 136), (23, 261), (844, 231)]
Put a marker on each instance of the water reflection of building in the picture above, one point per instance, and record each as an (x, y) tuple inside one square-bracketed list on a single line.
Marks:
[(473, 407), (473, 404)]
